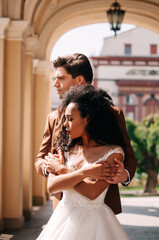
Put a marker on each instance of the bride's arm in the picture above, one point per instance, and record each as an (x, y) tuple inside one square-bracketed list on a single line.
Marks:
[(57, 183), (92, 189)]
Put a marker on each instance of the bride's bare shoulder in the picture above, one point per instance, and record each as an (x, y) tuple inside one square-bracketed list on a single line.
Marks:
[(115, 152)]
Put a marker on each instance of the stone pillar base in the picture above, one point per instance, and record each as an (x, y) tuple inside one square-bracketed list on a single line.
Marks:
[(47, 196), (27, 213), (13, 223), (39, 200), (1, 225)]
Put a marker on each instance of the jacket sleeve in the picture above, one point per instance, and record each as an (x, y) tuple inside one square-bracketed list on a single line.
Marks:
[(46, 143), (130, 161)]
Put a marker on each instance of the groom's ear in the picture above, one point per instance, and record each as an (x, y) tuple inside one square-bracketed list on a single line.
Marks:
[(80, 80)]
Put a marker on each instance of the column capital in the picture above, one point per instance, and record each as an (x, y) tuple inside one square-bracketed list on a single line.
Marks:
[(18, 30), (31, 43), (41, 67), (4, 22)]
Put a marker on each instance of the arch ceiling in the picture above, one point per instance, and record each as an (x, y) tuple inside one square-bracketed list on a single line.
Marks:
[(50, 19)]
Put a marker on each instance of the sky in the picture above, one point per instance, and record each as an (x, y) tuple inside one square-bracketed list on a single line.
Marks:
[(87, 39)]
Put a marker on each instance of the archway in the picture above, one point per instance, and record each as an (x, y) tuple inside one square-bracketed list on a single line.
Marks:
[(24, 26), (81, 13), (151, 106)]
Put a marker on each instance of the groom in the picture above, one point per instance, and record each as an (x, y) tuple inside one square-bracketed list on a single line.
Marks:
[(76, 70)]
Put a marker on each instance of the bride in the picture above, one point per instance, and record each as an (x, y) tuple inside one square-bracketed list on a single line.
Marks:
[(90, 136)]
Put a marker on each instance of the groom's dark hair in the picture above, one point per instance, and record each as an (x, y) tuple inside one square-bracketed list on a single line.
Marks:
[(76, 65)]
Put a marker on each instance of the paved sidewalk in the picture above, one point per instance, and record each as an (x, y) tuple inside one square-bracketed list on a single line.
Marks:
[(140, 219)]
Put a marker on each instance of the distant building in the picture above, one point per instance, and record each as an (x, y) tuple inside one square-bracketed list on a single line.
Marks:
[(128, 68)]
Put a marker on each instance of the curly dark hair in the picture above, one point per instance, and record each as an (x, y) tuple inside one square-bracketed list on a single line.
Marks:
[(102, 124), (76, 64)]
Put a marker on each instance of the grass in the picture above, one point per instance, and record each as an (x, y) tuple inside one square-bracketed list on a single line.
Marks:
[(131, 188), (135, 191)]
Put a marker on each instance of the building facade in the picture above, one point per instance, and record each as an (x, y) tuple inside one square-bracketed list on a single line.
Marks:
[(128, 68)]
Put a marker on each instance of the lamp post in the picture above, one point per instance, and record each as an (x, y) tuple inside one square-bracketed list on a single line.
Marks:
[(115, 16)]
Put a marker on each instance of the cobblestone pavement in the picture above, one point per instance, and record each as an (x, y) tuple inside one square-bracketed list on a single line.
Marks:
[(140, 219)]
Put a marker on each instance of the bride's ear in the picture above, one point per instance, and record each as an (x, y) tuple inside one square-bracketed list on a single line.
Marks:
[(87, 119)]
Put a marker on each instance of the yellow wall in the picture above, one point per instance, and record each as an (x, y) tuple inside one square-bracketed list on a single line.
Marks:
[(12, 133)]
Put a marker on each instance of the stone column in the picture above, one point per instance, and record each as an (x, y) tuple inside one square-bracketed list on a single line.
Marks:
[(140, 107), (30, 44), (13, 125), (121, 101), (3, 24), (42, 106)]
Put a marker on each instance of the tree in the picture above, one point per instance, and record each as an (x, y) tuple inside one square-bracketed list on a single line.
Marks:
[(145, 142)]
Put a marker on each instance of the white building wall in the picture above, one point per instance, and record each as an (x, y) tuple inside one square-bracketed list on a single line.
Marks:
[(127, 72), (139, 38)]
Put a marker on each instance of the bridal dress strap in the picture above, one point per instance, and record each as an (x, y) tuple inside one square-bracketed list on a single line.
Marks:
[(111, 151)]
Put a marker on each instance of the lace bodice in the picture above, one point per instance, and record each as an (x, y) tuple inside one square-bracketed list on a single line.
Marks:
[(73, 198)]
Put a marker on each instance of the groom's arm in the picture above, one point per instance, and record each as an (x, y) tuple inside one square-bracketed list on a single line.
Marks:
[(128, 167)]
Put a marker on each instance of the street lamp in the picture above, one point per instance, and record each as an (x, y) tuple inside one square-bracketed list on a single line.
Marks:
[(115, 16)]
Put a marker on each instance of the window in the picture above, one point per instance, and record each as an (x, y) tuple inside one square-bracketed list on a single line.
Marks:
[(131, 99), (127, 99), (127, 49), (153, 49)]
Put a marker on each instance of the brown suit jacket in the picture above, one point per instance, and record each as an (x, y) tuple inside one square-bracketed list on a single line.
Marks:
[(112, 198)]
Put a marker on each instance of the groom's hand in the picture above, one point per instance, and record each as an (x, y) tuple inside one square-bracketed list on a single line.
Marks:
[(54, 163), (116, 173)]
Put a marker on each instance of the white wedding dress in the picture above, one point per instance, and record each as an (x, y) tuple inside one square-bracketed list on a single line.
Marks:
[(79, 218)]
